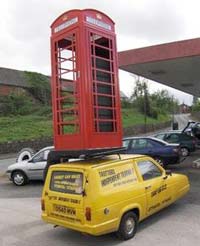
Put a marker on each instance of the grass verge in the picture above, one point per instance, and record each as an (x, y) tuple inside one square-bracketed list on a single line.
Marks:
[(24, 128), (28, 127)]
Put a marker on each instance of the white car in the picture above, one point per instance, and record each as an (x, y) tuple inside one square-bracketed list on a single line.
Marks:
[(23, 171)]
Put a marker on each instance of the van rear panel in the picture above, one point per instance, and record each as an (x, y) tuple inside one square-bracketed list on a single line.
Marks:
[(63, 198), (67, 182)]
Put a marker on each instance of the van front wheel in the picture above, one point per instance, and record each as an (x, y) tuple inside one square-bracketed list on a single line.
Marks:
[(128, 226)]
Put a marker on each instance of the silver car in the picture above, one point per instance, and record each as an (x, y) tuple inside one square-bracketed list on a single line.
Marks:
[(21, 172)]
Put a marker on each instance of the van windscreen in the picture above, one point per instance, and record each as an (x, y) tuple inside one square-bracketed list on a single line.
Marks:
[(67, 182)]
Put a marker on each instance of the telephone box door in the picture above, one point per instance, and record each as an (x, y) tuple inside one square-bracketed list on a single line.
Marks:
[(66, 90)]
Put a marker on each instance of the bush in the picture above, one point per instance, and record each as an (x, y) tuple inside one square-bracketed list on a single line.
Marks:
[(153, 113), (39, 87), (43, 111), (126, 104), (196, 107), (14, 104)]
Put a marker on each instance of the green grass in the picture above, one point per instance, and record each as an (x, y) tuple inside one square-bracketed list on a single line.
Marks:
[(35, 126), (24, 128), (131, 117)]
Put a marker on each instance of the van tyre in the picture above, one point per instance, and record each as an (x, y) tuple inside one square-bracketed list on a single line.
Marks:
[(128, 226), (19, 178), (25, 154)]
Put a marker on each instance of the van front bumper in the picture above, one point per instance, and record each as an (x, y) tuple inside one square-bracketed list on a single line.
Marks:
[(95, 230)]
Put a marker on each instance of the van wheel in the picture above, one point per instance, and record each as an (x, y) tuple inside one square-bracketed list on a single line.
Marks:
[(128, 226), (19, 178)]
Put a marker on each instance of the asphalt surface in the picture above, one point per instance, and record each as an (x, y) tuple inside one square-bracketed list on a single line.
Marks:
[(182, 120), (21, 225), (4, 163)]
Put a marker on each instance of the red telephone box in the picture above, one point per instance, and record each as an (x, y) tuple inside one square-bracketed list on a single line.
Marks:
[(85, 89)]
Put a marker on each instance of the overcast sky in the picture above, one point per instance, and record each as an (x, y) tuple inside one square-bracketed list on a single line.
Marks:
[(25, 29)]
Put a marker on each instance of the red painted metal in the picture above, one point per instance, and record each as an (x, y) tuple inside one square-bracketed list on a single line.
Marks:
[(85, 88)]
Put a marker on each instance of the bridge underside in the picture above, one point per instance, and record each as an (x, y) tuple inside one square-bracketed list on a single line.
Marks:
[(174, 64)]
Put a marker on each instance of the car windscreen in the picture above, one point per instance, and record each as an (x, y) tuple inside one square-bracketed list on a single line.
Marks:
[(69, 182)]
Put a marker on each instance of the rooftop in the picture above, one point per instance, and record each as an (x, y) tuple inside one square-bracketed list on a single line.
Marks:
[(12, 77), (173, 64)]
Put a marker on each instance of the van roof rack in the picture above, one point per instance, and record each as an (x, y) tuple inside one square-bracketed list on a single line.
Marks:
[(56, 155), (103, 152)]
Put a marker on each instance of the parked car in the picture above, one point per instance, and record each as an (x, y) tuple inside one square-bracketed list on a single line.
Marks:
[(187, 142), (193, 129), (111, 194), (161, 151), (31, 169)]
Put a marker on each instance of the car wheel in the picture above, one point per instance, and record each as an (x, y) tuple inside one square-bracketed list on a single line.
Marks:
[(128, 226), (184, 151), (160, 161), (25, 154), (19, 178)]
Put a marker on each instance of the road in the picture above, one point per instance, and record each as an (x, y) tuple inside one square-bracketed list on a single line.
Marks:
[(21, 225), (182, 120), (4, 163)]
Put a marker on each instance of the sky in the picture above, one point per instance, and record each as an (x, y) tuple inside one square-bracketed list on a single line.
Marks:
[(25, 30)]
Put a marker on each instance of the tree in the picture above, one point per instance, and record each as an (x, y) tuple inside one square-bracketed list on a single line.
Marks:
[(140, 96), (164, 102), (196, 105), (160, 102)]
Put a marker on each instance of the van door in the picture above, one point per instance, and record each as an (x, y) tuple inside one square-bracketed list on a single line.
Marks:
[(64, 196), (155, 186)]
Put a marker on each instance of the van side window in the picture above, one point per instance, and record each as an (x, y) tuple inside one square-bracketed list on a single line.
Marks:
[(148, 170)]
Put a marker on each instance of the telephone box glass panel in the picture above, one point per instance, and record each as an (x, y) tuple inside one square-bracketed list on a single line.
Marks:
[(67, 85), (104, 107)]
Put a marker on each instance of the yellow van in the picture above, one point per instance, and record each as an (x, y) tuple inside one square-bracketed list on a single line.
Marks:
[(109, 194)]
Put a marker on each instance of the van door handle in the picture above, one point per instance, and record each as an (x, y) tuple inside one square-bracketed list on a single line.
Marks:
[(147, 187)]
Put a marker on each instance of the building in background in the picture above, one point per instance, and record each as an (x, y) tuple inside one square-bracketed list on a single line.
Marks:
[(12, 81)]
